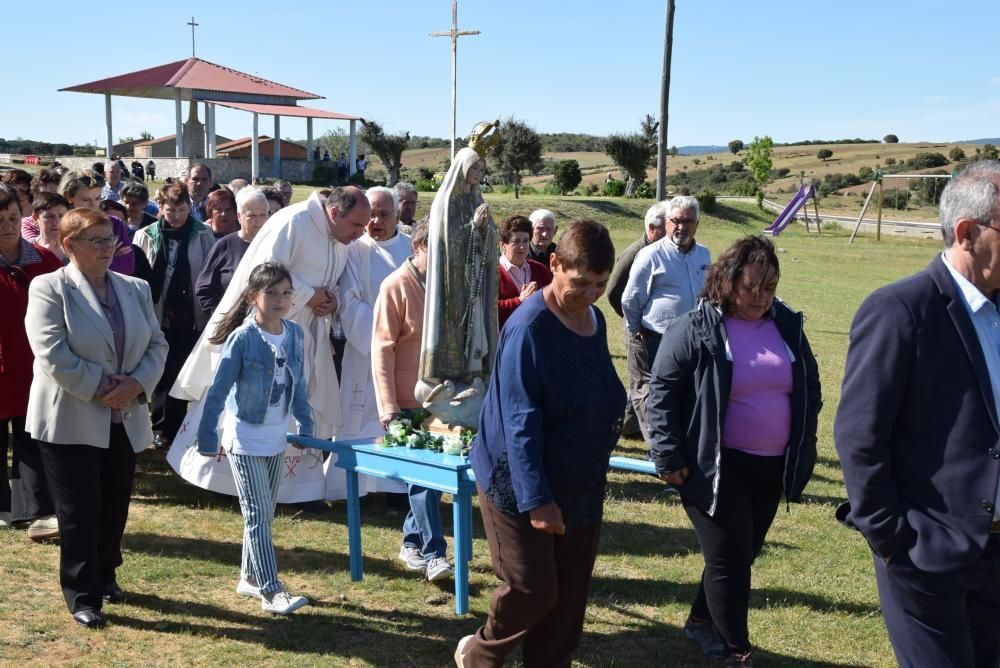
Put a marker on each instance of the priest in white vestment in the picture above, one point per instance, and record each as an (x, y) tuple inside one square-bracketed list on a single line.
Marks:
[(311, 239), (370, 260)]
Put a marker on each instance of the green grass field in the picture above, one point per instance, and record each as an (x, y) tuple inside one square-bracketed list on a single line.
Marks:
[(813, 604)]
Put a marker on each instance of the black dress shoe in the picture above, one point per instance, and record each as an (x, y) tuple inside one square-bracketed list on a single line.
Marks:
[(112, 593), (92, 619)]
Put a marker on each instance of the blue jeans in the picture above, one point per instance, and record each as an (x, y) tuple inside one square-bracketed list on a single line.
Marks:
[(422, 528)]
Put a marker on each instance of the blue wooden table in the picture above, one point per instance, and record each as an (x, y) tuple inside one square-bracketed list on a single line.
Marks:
[(433, 470)]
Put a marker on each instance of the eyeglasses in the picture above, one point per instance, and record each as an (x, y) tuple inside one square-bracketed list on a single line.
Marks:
[(98, 242), (684, 221), (982, 224)]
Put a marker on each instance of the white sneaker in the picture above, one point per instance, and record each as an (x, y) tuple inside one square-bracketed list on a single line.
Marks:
[(282, 603), (438, 568), (251, 590), (412, 558), (460, 651), (4, 520), (44, 528)]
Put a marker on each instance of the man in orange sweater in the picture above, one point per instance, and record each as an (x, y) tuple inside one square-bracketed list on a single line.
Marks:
[(396, 333)]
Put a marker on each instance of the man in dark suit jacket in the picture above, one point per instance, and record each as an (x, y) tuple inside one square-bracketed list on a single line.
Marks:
[(919, 441)]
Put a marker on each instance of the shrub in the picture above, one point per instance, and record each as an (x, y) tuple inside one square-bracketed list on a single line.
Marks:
[(613, 188), (743, 188), (866, 173), (551, 188), (890, 139), (927, 160), (425, 185), (528, 190), (889, 162), (780, 172), (696, 161), (824, 154), (591, 189), (990, 152), (706, 200), (956, 154), (735, 146), (896, 199), (645, 190), (425, 173), (736, 166)]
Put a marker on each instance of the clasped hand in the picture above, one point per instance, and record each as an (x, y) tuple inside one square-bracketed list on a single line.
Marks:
[(481, 215), (323, 302), (122, 391)]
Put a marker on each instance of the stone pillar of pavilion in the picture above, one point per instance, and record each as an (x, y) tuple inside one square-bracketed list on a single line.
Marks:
[(194, 134)]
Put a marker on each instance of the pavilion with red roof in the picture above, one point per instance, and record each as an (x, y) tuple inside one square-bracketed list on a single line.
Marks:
[(198, 80)]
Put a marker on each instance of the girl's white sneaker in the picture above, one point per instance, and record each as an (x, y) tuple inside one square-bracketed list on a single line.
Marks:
[(282, 603)]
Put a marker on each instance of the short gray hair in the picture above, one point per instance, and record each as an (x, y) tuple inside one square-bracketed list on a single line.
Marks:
[(108, 163), (684, 202), (342, 199), (538, 215), (656, 216), (247, 195), (973, 194), (376, 190), (403, 188)]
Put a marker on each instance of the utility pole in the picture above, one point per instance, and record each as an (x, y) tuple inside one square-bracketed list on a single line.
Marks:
[(454, 33), (193, 25), (661, 153)]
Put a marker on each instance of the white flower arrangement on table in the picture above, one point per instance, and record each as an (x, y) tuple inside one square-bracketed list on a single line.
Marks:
[(406, 433)]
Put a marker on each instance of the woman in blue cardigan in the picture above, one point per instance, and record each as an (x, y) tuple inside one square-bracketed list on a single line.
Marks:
[(551, 416)]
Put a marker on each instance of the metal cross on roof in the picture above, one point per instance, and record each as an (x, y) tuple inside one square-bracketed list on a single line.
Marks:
[(193, 25)]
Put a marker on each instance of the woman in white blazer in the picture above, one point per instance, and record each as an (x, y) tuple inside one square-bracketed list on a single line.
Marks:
[(99, 353)]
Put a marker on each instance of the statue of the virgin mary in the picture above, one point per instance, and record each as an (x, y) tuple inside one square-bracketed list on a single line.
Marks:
[(459, 340)]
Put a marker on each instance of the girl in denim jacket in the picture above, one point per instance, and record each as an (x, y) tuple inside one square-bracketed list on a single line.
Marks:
[(258, 382)]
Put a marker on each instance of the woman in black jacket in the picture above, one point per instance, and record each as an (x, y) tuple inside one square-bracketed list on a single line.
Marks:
[(733, 405)]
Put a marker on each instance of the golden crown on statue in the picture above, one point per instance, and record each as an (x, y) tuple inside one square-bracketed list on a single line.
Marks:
[(484, 136)]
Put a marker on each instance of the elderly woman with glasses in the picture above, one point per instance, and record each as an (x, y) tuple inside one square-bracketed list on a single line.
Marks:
[(27, 498), (87, 404), (252, 210), (519, 277)]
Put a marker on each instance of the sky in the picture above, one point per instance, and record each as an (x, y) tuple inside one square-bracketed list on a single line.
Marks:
[(809, 69)]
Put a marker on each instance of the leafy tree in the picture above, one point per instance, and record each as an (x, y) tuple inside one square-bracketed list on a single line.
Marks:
[(145, 135), (518, 150), (824, 154), (990, 152), (956, 154), (890, 139), (735, 146), (673, 151), (335, 141), (760, 163), (567, 175), (388, 148), (632, 153)]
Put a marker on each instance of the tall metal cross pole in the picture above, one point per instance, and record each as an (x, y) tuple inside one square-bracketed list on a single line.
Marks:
[(454, 33), (661, 153), (193, 25)]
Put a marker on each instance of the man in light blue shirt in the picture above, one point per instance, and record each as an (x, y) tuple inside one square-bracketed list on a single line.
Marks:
[(664, 282)]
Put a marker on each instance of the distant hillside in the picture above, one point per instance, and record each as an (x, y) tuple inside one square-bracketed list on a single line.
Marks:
[(699, 150), (994, 141)]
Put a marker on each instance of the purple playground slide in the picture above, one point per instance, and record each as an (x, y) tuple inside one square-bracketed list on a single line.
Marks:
[(788, 214)]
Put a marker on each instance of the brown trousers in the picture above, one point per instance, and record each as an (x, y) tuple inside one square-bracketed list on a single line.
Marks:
[(543, 597)]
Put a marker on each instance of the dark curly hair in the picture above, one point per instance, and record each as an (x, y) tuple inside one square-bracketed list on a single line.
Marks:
[(720, 282), (512, 224)]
